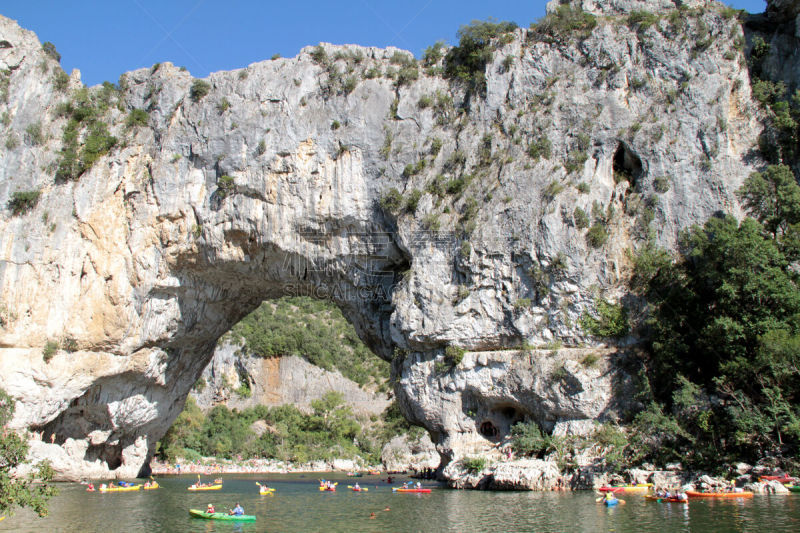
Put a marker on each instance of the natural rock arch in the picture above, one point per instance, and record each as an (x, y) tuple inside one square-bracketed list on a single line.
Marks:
[(181, 230)]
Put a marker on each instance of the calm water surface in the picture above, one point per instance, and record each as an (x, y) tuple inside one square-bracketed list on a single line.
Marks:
[(299, 506)]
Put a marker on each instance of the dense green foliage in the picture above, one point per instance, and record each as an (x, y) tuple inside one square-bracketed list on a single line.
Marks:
[(330, 431), (50, 49), (780, 140), (23, 201), (565, 23), (31, 491), (312, 329), (476, 45), (86, 137), (199, 90), (724, 331), (611, 320), (136, 118)]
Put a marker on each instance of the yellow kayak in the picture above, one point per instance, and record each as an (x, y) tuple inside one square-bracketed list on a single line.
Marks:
[(206, 487), (266, 490), (153, 486), (120, 489), (641, 487)]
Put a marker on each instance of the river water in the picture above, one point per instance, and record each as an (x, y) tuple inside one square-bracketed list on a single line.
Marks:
[(298, 505)]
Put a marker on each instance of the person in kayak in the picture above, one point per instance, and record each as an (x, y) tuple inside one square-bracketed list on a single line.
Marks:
[(210, 508), (610, 497), (237, 511), (356, 486)]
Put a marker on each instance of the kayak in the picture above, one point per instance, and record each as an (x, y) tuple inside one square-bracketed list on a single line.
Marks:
[(660, 499), (197, 513), (374, 473), (357, 489), (783, 479), (395, 489), (696, 494), (610, 503), (153, 486), (266, 490), (206, 487), (641, 487), (120, 489), (355, 474), (794, 488)]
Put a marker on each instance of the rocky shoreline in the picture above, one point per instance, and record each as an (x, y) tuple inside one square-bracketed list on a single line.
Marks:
[(544, 475)]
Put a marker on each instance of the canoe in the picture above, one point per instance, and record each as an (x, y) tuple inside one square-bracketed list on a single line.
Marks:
[(395, 489), (207, 487), (120, 489), (197, 513), (660, 499), (696, 494)]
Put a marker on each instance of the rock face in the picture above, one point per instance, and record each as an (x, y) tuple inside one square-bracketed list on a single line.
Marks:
[(278, 381), (404, 453), (269, 185)]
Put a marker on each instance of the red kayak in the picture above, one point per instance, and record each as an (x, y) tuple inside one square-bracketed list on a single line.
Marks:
[(786, 478), (615, 490), (410, 490)]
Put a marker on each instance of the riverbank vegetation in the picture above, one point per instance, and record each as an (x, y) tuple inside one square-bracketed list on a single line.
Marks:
[(329, 431), (31, 491)]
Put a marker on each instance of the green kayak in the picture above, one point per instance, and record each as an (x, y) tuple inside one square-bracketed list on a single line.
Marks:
[(794, 488), (222, 516)]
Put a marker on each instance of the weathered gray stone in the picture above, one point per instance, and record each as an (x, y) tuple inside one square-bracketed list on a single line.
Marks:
[(144, 261), (403, 453)]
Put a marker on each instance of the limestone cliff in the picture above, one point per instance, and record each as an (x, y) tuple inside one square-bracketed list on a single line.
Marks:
[(268, 181), (277, 381)]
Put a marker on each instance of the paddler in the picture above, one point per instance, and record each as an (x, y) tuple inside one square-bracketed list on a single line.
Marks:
[(237, 511)]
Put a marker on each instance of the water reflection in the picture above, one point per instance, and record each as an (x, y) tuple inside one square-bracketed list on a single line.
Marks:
[(299, 506)]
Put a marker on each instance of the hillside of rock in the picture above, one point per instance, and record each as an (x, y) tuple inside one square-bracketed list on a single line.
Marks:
[(466, 229)]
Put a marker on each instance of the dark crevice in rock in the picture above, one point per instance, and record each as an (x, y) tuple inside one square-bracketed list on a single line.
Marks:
[(627, 165)]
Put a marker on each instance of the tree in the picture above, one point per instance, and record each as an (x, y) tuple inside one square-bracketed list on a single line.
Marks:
[(20, 491), (773, 198)]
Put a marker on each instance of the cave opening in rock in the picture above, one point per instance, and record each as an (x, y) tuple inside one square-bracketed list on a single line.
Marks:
[(489, 430), (627, 166)]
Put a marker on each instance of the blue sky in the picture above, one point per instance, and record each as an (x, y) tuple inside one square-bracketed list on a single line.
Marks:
[(104, 38)]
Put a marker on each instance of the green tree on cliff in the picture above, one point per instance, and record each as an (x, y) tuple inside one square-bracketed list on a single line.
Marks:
[(725, 328), (31, 491)]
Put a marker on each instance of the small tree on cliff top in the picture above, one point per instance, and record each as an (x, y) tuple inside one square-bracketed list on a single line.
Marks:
[(19, 491)]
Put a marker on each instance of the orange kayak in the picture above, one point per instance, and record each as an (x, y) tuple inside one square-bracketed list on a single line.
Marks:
[(695, 494)]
